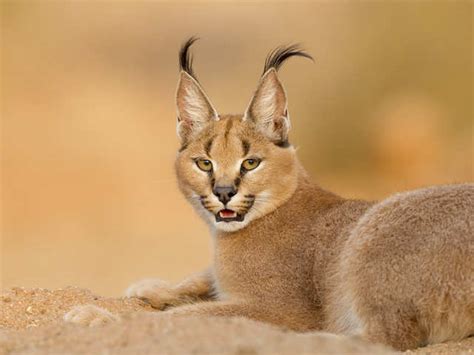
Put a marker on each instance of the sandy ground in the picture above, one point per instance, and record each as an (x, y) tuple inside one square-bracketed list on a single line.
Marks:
[(31, 323)]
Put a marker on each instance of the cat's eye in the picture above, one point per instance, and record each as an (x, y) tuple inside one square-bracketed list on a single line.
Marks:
[(250, 164), (204, 164)]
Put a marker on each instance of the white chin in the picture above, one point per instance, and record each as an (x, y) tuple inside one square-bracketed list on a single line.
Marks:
[(230, 226)]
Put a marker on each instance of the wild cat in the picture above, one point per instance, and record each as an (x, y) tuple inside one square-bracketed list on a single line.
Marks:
[(398, 272)]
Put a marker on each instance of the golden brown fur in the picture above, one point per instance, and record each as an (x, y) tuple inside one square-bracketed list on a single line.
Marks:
[(399, 272)]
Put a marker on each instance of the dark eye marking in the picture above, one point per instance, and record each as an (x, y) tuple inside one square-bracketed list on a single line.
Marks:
[(208, 146), (237, 182), (245, 147), (283, 144)]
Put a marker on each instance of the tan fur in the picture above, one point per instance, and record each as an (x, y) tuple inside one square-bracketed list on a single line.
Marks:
[(399, 272), (161, 294), (406, 271), (90, 315)]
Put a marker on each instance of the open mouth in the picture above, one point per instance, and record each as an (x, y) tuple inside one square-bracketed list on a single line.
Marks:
[(227, 215)]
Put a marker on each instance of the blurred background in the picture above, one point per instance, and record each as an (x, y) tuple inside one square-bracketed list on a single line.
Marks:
[(88, 119)]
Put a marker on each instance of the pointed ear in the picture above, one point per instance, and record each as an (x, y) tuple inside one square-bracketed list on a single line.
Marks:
[(268, 108), (195, 110)]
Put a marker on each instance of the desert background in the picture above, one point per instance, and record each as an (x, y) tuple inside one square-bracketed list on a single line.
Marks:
[(88, 194)]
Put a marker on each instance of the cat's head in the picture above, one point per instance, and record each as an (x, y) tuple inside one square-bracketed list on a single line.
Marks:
[(235, 168)]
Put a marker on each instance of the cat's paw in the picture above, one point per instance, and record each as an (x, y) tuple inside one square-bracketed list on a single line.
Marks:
[(159, 294), (90, 315)]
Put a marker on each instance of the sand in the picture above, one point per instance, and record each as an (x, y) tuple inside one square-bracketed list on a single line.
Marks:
[(31, 323)]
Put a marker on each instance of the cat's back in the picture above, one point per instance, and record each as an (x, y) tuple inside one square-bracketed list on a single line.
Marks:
[(414, 232), (411, 254), (438, 213)]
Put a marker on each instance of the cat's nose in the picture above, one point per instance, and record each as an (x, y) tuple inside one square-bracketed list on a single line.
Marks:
[(224, 193)]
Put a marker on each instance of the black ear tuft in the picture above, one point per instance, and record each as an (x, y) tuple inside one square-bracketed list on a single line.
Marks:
[(185, 58), (280, 54)]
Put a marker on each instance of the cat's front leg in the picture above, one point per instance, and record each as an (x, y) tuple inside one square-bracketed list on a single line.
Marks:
[(161, 294), (231, 308), (90, 315)]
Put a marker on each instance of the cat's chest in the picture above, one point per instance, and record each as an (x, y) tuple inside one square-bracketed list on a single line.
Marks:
[(259, 263)]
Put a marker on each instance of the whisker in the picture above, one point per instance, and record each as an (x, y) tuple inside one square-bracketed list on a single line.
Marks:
[(270, 199), (257, 209)]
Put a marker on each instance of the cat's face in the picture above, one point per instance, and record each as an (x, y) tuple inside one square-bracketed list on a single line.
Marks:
[(235, 168), (232, 174)]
